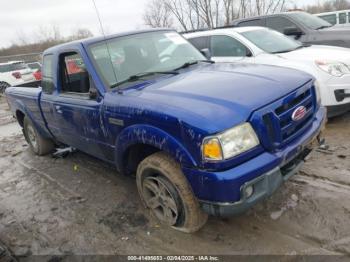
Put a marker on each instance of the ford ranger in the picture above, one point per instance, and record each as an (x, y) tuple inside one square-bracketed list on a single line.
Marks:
[(202, 138)]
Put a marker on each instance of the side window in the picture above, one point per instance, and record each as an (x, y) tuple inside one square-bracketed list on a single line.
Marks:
[(349, 17), (255, 22), (332, 19), (279, 23), (74, 76), (199, 42), (47, 77), (227, 46), (342, 18)]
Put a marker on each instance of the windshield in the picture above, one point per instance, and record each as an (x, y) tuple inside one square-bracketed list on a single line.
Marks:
[(271, 41), (12, 67), (123, 57), (34, 66), (310, 21)]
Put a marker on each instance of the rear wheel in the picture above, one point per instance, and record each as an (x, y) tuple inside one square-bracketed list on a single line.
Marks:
[(165, 191), (3, 86), (39, 144)]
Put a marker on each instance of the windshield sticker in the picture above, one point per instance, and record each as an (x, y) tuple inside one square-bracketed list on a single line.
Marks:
[(175, 38)]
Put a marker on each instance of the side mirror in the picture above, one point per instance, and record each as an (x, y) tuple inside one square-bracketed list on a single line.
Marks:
[(206, 53), (248, 53), (93, 94), (292, 31)]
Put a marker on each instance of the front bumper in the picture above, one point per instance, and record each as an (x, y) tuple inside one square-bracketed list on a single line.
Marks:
[(263, 187), (337, 110), (222, 193)]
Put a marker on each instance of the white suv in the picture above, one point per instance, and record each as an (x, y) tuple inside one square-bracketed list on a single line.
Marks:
[(330, 65), (14, 73)]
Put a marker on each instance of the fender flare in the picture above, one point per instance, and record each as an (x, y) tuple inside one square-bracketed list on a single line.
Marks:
[(22, 108), (153, 136)]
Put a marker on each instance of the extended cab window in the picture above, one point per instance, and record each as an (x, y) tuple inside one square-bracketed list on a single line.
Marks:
[(222, 45), (47, 76), (342, 18), (279, 23), (74, 76)]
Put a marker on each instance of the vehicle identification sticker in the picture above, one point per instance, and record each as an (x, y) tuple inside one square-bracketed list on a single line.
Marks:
[(175, 38)]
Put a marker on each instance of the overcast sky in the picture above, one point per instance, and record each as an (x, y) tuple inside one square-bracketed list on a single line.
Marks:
[(23, 17)]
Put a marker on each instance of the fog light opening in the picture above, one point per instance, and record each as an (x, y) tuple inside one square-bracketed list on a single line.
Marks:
[(248, 191)]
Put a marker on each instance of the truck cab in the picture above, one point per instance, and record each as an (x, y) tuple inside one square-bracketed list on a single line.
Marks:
[(202, 138)]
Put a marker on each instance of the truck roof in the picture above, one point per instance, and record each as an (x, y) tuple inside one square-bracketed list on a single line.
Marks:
[(93, 40), (263, 16)]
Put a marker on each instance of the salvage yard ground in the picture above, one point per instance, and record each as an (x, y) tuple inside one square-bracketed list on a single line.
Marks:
[(80, 205)]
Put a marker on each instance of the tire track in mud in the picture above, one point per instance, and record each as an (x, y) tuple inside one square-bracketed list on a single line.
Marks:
[(50, 179), (321, 182)]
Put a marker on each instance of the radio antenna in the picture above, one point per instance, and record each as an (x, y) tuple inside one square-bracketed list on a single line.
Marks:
[(105, 39)]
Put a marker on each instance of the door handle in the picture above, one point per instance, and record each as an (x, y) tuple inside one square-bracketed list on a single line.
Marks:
[(58, 109)]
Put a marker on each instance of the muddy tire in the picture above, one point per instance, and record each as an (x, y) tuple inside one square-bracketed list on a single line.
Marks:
[(39, 145), (3, 86), (165, 191)]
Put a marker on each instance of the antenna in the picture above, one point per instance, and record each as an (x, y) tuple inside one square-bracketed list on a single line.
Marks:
[(105, 39)]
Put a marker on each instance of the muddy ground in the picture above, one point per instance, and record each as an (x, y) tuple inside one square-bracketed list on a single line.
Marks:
[(80, 205)]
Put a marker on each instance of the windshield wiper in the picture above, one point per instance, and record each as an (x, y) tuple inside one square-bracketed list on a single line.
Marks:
[(187, 64), (290, 50), (323, 27), (141, 75), (283, 51)]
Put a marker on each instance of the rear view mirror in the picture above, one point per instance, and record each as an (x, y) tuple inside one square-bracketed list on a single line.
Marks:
[(292, 31), (206, 53)]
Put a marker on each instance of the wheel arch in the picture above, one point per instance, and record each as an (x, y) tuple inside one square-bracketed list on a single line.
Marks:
[(139, 141)]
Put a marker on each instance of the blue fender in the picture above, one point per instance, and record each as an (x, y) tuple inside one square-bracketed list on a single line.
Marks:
[(153, 136), (20, 106)]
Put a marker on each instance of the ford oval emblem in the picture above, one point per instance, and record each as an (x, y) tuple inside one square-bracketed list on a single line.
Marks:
[(299, 113)]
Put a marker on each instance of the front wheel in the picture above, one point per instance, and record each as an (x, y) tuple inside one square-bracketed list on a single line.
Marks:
[(164, 190), (39, 144)]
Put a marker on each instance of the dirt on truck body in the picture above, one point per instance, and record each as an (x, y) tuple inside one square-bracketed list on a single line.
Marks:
[(80, 205)]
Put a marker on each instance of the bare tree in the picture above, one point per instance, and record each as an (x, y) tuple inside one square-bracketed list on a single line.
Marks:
[(328, 6), (196, 14), (81, 33), (158, 14)]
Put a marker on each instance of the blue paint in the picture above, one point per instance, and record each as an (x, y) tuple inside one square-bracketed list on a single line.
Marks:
[(174, 113)]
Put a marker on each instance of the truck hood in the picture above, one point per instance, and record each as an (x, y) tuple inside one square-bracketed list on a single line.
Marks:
[(219, 96), (319, 52), (339, 36)]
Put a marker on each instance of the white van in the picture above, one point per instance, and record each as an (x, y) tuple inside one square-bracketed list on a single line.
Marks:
[(338, 18)]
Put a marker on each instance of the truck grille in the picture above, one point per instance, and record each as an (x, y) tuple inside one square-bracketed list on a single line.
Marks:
[(279, 128)]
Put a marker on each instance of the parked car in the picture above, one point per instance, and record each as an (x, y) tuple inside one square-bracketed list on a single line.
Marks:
[(34, 66), (330, 65), (14, 73), (201, 137), (301, 26), (36, 69), (337, 18)]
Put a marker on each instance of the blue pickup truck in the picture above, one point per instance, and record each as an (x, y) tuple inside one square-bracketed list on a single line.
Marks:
[(202, 137)]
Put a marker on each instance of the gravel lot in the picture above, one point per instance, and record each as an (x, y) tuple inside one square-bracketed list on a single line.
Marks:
[(80, 205)]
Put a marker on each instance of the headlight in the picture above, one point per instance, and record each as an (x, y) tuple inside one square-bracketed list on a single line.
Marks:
[(318, 92), (333, 68), (230, 143)]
